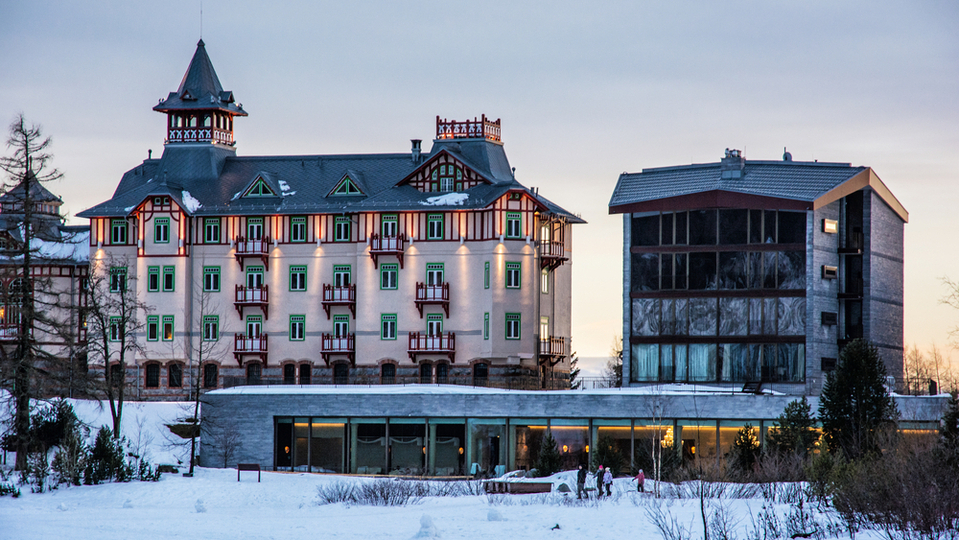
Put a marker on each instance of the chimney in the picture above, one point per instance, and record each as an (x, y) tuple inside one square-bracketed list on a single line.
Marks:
[(733, 164), (416, 149)]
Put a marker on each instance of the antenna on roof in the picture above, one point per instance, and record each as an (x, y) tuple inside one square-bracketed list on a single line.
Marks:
[(201, 19)]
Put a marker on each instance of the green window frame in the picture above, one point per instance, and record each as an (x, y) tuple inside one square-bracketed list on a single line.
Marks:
[(434, 227), (167, 330), (342, 275), (298, 229), (118, 279), (118, 231), (161, 230), (486, 275), (389, 276), (169, 278), (255, 277), (513, 326), (434, 324), (435, 274), (297, 327), (254, 228), (297, 278), (341, 325), (211, 328), (211, 279), (211, 231), (153, 328), (388, 326), (116, 329), (514, 275), (389, 225), (153, 278), (342, 229), (486, 326), (514, 225)]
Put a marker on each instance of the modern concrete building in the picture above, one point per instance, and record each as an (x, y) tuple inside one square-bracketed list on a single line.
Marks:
[(427, 266), (756, 273)]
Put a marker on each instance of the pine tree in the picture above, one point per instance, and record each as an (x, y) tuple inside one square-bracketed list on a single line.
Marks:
[(949, 433), (745, 451), (854, 407), (794, 430), (549, 457)]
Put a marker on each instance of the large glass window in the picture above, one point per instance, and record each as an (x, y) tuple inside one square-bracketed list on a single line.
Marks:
[(407, 455), (447, 442), (572, 441), (486, 448), (527, 436), (327, 445), (368, 446)]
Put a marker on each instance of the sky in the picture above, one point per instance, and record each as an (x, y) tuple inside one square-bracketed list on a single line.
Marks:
[(585, 91)]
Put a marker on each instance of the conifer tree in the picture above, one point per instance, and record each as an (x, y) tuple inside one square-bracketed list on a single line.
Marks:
[(745, 451), (794, 430), (549, 458)]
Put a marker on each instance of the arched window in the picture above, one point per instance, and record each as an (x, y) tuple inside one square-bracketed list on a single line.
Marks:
[(254, 373), (426, 373), (289, 374), (174, 376), (480, 374), (388, 373), (306, 372), (210, 376), (153, 376), (442, 373), (341, 373)]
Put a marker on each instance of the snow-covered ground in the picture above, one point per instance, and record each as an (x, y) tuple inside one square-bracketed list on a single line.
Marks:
[(213, 505)]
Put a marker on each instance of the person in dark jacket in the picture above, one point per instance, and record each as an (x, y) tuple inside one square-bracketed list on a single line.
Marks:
[(581, 483), (599, 482)]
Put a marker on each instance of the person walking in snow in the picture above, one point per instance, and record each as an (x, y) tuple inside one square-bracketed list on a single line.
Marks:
[(640, 481), (581, 482), (599, 482), (608, 480)]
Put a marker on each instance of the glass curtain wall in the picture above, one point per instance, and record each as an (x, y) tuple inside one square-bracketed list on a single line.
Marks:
[(446, 447), (486, 447), (572, 441), (613, 438)]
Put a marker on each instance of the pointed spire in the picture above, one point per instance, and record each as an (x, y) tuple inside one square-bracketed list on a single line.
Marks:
[(200, 88)]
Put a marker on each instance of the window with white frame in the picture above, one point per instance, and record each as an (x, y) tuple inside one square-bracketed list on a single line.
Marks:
[(118, 231), (254, 277), (514, 225), (341, 325), (389, 274), (161, 230), (434, 324), (434, 227), (169, 278), (254, 228), (298, 229), (544, 282), (342, 227), (153, 278), (389, 225), (168, 328), (513, 275), (211, 279), (297, 278), (211, 327), (153, 328), (512, 326), (388, 326), (211, 231), (118, 279), (297, 327), (342, 275), (434, 273)]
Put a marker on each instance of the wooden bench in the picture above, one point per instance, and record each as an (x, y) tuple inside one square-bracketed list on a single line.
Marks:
[(247, 467)]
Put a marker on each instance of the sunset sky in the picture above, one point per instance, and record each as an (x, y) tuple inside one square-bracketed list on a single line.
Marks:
[(585, 91)]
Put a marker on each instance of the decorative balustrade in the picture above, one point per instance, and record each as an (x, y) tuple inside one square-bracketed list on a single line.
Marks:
[(387, 245), (433, 295), (552, 347), (9, 332), (252, 297), (423, 343), (253, 247), (200, 134), (334, 344), (481, 128), (339, 296), (552, 254), (244, 344)]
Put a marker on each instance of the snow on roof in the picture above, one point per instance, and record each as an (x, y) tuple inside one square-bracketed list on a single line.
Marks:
[(190, 203), (450, 199)]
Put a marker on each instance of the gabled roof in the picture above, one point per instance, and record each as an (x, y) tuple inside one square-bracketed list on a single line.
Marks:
[(811, 184), (200, 88), (38, 193)]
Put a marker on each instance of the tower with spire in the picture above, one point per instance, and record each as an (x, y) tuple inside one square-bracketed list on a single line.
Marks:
[(200, 111)]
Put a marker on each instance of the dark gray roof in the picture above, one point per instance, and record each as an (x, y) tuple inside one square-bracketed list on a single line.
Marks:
[(794, 180), (200, 88), (216, 178)]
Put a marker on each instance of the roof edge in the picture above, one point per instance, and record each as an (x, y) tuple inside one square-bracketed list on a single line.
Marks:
[(866, 178)]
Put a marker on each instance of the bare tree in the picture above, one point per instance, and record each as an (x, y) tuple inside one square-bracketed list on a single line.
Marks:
[(113, 319), (613, 373)]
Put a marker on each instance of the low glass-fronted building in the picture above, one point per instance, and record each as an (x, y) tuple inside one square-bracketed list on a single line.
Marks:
[(436, 430)]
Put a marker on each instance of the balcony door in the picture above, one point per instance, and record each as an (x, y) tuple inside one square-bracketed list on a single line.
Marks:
[(434, 274), (254, 326), (254, 228), (341, 276), (389, 226), (254, 277)]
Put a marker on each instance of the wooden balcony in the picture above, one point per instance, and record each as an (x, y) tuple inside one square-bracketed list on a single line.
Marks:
[(9, 332), (481, 128), (339, 296), (343, 345), (259, 297), (244, 345), (423, 343), (387, 245), (254, 248), (200, 134), (552, 350), (551, 254), (433, 295)]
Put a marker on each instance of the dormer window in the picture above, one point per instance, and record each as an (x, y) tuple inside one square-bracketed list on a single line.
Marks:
[(446, 178), (260, 189), (346, 187)]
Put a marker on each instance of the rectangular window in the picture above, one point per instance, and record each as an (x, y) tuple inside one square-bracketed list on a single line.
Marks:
[(169, 278), (161, 230), (434, 324), (254, 325), (434, 273), (254, 228), (341, 325), (153, 278), (298, 229), (118, 231), (341, 275), (153, 328), (118, 279), (514, 225), (513, 275), (486, 326), (434, 227), (342, 227), (211, 327), (544, 282), (211, 231), (254, 277), (297, 278), (168, 328), (297, 327), (486, 275), (388, 276), (512, 325), (388, 326), (389, 225), (211, 279), (116, 329), (544, 328)]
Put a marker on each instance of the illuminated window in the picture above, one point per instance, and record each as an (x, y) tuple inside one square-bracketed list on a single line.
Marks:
[(153, 278), (544, 282), (118, 231), (512, 325), (298, 229), (297, 278), (514, 225), (388, 326), (434, 227), (513, 275), (161, 230), (297, 327), (168, 328), (211, 279)]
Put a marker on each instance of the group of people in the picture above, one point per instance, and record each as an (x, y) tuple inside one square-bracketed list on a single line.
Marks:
[(604, 478)]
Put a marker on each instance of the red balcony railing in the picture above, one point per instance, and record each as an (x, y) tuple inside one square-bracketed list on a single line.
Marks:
[(339, 296), (551, 254), (252, 297), (250, 345), (386, 245), (9, 332), (433, 295), (333, 344), (422, 343), (200, 134), (482, 128), (254, 247)]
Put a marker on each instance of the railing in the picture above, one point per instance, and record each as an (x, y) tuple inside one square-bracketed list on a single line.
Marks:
[(552, 346), (252, 295), (552, 249), (432, 293), (253, 247), (340, 295), (522, 382), (470, 129), (338, 344), (387, 244), (199, 134), (9, 332), (423, 342), (244, 344)]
